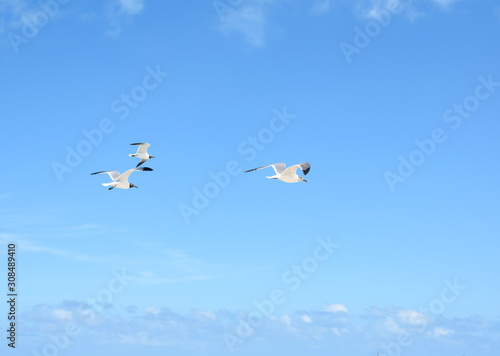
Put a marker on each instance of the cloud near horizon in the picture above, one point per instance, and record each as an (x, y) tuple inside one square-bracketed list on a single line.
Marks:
[(326, 330)]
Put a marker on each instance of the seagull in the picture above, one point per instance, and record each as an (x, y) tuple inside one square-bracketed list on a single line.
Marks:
[(288, 175), (121, 180), (142, 152)]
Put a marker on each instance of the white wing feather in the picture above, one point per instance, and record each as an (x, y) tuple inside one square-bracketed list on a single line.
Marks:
[(292, 170), (113, 174), (279, 168), (143, 147), (124, 176)]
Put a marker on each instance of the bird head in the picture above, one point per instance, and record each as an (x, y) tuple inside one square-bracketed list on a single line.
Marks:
[(151, 156), (130, 185)]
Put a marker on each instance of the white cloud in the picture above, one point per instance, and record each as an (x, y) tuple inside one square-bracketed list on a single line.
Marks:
[(151, 310), (285, 319), (444, 3), (201, 330), (437, 332), (391, 326), (335, 308), (412, 317), (13, 14), (62, 314), (374, 8), (248, 21), (205, 315), (321, 7), (119, 11), (412, 9), (306, 319), (131, 7)]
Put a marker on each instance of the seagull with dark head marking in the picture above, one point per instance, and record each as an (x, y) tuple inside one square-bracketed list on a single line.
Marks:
[(121, 180), (288, 175), (142, 152)]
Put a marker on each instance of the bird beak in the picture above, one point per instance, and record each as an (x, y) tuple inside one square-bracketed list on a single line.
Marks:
[(304, 180), (134, 186), (152, 156)]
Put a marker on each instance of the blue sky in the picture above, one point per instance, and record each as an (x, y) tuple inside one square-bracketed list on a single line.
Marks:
[(392, 245)]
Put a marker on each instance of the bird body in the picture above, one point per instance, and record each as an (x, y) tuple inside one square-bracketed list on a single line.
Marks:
[(121, 180), (142, 152), (287, 175)]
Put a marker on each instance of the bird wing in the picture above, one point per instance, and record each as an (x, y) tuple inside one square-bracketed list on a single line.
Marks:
[(292, 170), (279, 168), (141, 162), (113, 174), (124, 176), (305, 167), (143, 147)]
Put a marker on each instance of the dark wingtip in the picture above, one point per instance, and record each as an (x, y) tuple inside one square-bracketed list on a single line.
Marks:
[(306, 170), (147, 169)]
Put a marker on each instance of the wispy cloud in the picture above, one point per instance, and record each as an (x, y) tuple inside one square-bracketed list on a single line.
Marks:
[(412, 9), (411, 317), (373, 8), (32, 247), (438, 332), (13, 11), (48, 221), (336, 308), (202, 330), (19, 16), (131, 7), (149, 278), (248, 20), (321, 7), (119, 11), (445, 3), (175, 266)]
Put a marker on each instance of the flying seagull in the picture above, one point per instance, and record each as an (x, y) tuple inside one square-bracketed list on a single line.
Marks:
[(121, 180), (288, 175), (142, 152)]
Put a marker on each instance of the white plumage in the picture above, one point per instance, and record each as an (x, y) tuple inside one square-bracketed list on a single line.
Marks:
[(288, 175), (121, 180), (142, 152)]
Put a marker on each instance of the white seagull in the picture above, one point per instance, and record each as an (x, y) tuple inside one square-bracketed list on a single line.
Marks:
[(288, 175), (142, 152), (121, 180)]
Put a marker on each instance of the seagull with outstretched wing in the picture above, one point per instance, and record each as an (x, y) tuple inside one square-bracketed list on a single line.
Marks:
[(142, 152), (288, 175), (121, 180)]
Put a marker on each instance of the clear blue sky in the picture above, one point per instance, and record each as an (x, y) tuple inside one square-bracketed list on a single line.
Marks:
[(391, 247)]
